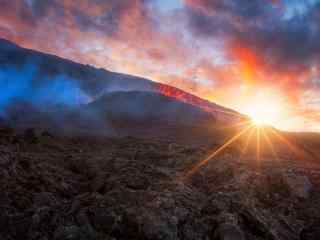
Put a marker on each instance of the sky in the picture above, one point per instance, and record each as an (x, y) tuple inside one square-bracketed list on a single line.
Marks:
[(249, 55)]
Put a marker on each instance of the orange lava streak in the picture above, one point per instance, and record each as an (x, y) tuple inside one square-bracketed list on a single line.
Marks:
[(193, 100)]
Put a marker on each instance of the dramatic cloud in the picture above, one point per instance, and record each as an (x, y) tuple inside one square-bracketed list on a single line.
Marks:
[(214, 48), (281, 43), (271, 43)]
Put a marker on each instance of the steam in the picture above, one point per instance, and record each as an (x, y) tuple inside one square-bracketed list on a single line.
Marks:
[(71, 99), (22, 85)]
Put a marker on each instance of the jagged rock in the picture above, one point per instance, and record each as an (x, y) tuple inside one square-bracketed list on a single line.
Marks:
[(41, 216), (104, 220), (130, 227), (311, 232), (4, 160), (46, 134), (138, 182), (148, 197), (154, 227), (86, 227), (31, 135), (6, 130), (68, 233), (44, 199), (257, 223), (228, 232), (99, 183), (299, 186), (228, 228), (21, 201), (4, 219), (19, 226)]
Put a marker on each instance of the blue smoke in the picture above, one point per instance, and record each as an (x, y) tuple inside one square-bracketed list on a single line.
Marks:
[(25, 84), (60, 91)]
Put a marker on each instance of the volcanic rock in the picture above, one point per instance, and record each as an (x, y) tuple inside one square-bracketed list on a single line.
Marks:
[(68, 233), (299, 186), (228, 232), (31, 135), (311, 232), (144, 192)]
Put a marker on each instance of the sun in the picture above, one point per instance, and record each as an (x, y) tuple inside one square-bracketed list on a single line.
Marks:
[(263, 115), (265, 108)]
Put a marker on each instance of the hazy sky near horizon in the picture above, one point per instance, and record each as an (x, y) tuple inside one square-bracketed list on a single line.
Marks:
[(233, 52)]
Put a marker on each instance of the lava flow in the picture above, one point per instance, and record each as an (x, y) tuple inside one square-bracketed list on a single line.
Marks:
[(218, 111)]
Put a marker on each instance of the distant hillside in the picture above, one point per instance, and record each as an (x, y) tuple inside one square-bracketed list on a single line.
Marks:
[(86, 81), (148, 106), (46, 92)]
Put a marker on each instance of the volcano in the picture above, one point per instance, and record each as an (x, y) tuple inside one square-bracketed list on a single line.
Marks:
[(86, 153), (95, 82), (71, 98)]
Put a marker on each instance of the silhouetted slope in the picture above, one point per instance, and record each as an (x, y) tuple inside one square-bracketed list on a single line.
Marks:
[(47, 92), (135, 113), (92, 82), (148, 106)]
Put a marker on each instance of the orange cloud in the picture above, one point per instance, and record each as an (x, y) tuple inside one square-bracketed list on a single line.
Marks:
[(126, 36)]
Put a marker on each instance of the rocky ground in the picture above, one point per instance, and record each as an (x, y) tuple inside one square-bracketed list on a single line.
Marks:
[(126, 188)]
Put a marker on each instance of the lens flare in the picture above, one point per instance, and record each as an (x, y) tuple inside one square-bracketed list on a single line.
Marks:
[(265, 108)]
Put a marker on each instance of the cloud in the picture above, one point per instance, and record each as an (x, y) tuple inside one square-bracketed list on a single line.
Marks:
[(264, 45), (270, 44), (209, 47), (283, 44)]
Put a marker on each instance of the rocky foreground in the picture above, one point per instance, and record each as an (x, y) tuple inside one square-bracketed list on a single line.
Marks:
[(126, 188)]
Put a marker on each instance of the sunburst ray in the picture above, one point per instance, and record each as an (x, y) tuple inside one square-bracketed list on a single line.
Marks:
[(295, 149), (248, 140), (238, 124), (216, 152), (270, 144), (258, 145)]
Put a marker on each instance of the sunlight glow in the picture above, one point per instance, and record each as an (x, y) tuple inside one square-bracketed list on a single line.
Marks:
[(265, 108), (263, 139), (217, 151)]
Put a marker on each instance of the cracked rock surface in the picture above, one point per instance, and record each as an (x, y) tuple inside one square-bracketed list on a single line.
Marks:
[(126, 188)]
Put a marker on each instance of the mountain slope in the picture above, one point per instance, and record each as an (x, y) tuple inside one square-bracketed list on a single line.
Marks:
[(87, 83), (141, 106), (135, 113)]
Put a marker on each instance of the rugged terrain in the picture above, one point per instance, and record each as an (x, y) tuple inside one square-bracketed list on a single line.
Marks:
[(127, 188), (86, 153)]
